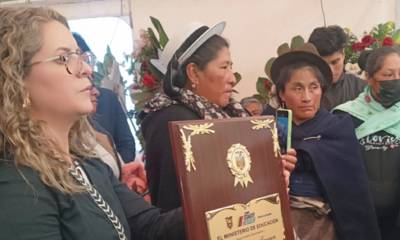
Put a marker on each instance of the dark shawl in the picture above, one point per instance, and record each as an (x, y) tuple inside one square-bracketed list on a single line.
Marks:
[(333, 147)]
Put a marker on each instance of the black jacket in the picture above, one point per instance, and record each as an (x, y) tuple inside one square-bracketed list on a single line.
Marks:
[(36, 211), (160, 165), (347, 88)]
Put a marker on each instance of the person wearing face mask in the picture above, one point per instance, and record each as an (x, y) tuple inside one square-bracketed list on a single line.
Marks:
[(198, 84), (376, 116)]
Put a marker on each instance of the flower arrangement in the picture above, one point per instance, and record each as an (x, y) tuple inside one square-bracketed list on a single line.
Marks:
[(146, 79), (381, 35)]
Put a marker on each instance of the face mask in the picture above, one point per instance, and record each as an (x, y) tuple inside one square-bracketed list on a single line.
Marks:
[(389, 92)]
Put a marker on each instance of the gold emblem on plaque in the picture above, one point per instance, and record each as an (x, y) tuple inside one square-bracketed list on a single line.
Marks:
[(239, 163), (271, 125), (187, 142)]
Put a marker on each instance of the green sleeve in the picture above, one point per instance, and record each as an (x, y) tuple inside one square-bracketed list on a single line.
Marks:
[(27, 211)]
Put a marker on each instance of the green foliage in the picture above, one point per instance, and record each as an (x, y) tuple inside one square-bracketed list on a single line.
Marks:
[(384, 34), (268, 66), (260, 98), (103, 68), (381, 31), (283, 48), (264, 84), (146, 78), (163, 38), (238, 77), (348, 51), (260, 86), (155, 44), (396, 36), (297, 41)]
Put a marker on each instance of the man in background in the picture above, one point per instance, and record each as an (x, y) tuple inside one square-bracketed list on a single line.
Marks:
[(330, 43)]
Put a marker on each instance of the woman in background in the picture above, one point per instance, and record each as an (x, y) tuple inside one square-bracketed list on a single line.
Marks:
[(376, 116)]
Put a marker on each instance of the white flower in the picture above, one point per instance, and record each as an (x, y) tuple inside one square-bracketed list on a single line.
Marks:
[(352, 68), (140, 43)]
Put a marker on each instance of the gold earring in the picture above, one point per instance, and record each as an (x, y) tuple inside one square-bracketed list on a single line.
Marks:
[(26, 103)]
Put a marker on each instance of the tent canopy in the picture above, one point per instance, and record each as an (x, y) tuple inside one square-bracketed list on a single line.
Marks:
[(75, 9)]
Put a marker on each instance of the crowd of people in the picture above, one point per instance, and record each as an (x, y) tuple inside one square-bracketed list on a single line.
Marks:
[(65, 144)]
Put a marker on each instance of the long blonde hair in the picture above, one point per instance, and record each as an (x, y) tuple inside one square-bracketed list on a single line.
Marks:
[(22, 138)]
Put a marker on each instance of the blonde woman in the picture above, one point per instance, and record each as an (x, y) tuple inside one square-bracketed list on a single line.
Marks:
[(50, 187)]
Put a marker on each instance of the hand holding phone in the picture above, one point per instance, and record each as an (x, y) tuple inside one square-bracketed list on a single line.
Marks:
[(284, 122)]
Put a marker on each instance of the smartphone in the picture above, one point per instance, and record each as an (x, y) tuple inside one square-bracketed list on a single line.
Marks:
[(284, 121)]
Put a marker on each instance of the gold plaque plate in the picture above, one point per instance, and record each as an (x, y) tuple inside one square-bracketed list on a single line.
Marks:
[(260, 219)]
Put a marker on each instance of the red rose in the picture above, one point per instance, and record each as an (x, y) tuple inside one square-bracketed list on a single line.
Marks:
[(358, 46), (267, 85), (388, 41), (368, 40), (148, 80)]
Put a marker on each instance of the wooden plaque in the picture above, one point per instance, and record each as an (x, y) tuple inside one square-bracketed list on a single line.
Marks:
[(230, 177)]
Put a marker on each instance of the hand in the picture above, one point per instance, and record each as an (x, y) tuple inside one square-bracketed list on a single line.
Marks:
[(289, 160), (134, 176), (288, 163)]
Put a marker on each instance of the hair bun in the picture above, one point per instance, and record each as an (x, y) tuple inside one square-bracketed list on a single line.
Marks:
[(362, 59)]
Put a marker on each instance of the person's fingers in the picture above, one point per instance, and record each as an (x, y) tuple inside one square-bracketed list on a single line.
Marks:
[(141, 173), (291, 151), (141, 186), (147, 198), (133, 167), (287, 165), (137, 185), (131, 184), (286, 175), (289, 160), (136, 168)]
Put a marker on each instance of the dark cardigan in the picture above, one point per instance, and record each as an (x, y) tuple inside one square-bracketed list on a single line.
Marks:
[(160, 164), (36, 211)]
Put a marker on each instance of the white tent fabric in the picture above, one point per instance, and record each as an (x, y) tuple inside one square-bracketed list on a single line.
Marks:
[(255, 28), (75, 9)]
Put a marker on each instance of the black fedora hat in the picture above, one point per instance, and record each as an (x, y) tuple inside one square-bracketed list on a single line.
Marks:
[(305, 53)]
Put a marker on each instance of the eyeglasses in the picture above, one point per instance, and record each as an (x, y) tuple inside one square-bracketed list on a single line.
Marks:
[(73, 61)]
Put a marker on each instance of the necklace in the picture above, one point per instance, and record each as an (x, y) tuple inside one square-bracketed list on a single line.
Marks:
[(79, 175)]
